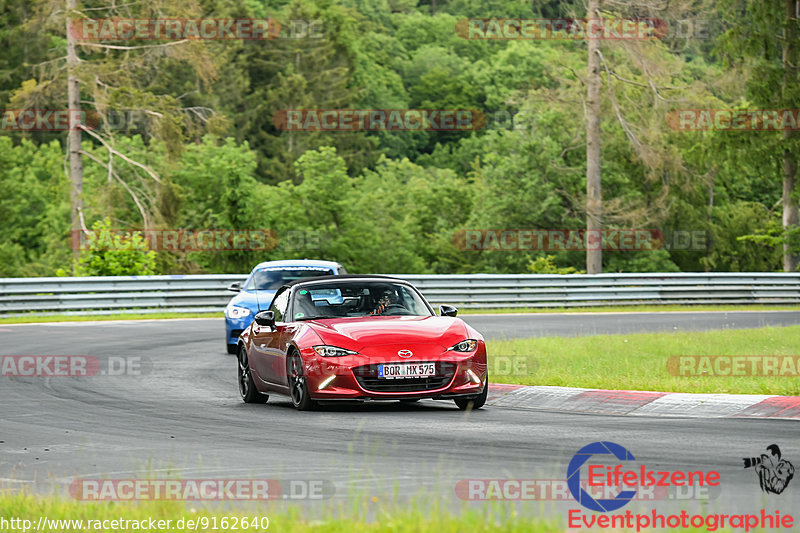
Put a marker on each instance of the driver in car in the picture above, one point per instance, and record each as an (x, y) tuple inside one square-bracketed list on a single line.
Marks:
[(388, 300)]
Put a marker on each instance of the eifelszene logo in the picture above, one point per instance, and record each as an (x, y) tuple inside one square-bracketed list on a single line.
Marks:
[(574, 476), (774, 473), (628, 478), (617, 476)]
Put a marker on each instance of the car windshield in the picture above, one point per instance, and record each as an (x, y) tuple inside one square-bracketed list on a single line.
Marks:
[(340, 299), (272, 278)]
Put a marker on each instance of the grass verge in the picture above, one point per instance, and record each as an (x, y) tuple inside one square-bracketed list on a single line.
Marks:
[(629, 309), (493, 517), (36, 318), (639, 361)]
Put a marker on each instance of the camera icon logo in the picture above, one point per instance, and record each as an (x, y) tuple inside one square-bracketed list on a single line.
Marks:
[(774, 473)]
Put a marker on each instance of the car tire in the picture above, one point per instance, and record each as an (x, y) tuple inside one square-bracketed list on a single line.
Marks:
[(247, 389), (469, 404), (298, 386), (231, 348)]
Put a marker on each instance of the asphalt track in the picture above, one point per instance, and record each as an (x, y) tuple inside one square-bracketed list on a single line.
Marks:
[(180, 415)]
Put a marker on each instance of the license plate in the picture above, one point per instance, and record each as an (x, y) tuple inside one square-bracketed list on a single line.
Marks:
[(406, 370)]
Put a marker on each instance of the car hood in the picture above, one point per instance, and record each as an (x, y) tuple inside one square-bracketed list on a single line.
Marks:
[(355, 333)]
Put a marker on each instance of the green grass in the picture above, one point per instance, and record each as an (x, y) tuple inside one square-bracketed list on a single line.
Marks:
[(629, 309), (37, 318), (493, 516), (639, 361), (368, 516)]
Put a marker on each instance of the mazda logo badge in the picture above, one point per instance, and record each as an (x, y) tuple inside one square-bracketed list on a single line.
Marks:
[(405, 353)]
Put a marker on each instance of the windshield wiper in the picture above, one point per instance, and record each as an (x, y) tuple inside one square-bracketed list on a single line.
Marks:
[(317, 317)]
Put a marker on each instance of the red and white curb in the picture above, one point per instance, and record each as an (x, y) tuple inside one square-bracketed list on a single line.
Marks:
[(644, 403)]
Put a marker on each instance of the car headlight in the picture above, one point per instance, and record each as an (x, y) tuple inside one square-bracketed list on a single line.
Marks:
[(332, 351), (468, 345), (234, 311)]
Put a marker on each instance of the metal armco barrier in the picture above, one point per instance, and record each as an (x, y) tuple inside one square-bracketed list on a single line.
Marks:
[(208, 294)]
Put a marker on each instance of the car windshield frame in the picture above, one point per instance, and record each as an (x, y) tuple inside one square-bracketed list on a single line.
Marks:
[(363, 306), (313, 271)]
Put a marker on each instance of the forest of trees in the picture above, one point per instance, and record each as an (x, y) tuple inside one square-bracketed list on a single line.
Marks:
[(185, 136)]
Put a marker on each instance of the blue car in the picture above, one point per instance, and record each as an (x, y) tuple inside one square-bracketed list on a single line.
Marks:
[(257, 292)]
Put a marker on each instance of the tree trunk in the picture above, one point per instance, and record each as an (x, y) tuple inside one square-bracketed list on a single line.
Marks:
[(790, 211), (594, 193), (789, 59), (710, 219), (74, 133)]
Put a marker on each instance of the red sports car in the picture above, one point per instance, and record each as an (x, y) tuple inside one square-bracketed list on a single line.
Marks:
[(360, 338)]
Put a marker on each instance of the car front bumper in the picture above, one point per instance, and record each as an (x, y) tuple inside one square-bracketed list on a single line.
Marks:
[(355, 377), (235, 326)]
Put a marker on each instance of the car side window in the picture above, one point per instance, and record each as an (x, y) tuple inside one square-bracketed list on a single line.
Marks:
[(279, 305)]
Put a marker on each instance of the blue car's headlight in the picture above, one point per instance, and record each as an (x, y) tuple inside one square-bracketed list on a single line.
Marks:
[(234, 311), (468, 345), (332, 351)]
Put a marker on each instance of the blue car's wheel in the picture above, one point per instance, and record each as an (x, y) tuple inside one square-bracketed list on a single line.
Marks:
[(231, 348)]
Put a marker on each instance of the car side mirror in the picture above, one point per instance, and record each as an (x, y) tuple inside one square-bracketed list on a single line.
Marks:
[(265, 318), (235, 287), (447, 310)]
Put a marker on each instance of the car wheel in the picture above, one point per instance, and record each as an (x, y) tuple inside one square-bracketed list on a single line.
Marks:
[(231, 348), (467, 404), (298, 386), (246, 386)]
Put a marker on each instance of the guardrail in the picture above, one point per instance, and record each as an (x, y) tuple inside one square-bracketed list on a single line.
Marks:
[(208, 294)]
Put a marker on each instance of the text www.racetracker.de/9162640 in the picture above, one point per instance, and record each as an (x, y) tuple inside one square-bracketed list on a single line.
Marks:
[(202, 523)]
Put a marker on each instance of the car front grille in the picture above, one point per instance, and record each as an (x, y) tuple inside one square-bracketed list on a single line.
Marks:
[(236, 332), (367, 377)]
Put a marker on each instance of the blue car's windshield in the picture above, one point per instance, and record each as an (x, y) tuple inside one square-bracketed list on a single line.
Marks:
[(272, 278)]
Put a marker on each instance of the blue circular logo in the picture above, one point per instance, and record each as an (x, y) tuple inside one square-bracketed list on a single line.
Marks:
[(574, 476)]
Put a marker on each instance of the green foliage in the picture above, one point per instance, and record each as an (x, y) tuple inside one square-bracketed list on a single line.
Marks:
[(392, 201), (546, 265), (642, 261), (34, 209), (748, 252), (112, 254)]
